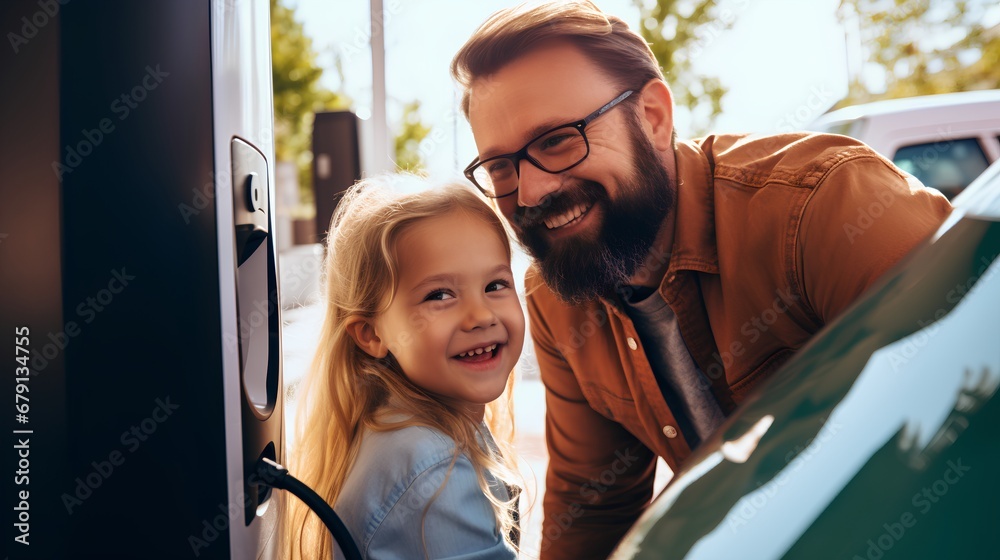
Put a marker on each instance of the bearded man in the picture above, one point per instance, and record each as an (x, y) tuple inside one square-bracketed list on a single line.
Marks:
[(670, 277)]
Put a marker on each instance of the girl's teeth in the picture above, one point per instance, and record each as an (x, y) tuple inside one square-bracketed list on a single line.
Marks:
[(478, 351)]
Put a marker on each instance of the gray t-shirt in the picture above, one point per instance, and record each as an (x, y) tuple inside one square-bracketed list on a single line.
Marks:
[(683, 385)]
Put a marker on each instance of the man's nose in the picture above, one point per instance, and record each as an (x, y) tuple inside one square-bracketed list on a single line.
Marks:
[(535, 185)]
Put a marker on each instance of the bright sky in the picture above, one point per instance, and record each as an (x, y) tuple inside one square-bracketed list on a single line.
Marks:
[(784, 62)]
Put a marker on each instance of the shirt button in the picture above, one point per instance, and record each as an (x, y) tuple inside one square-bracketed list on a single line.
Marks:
[(670, 431), (632, 344), (672, 278)]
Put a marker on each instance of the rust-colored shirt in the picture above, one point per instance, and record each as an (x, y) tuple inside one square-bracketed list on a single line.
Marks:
[(774, 237)]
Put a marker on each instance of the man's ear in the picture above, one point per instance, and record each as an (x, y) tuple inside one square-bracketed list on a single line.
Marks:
[(658, 113), (362, 331)]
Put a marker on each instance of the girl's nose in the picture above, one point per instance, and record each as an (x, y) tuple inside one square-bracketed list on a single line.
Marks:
[(479, 315)]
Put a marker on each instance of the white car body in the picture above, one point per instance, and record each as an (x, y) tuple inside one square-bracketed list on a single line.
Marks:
[(944, 140)]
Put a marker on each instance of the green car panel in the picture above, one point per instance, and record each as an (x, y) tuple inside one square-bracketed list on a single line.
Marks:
[(879, 440)]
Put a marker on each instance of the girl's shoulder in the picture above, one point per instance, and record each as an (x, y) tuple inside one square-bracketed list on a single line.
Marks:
[(408, 484), (389, 462), (412, 448), (391, 465)]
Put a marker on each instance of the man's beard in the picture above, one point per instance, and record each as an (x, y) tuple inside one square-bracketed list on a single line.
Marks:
[(585, 267)]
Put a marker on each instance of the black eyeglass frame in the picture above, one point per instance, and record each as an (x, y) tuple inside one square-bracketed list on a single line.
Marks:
[(522, 154)]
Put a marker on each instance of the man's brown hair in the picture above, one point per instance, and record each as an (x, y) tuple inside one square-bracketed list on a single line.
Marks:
[(511, 33)]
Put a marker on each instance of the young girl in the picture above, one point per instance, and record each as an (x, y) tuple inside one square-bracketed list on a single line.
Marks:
[(422, 330)]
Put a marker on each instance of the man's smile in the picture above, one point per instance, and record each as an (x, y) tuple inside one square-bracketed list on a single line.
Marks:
[(570, 216)]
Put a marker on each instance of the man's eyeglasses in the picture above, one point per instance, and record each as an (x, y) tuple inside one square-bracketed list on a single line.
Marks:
[(555, 151)]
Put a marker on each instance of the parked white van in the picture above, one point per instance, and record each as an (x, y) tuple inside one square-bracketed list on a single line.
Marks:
[(944, 140)]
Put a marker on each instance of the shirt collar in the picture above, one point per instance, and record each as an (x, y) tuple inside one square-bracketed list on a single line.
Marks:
[(694, 245)]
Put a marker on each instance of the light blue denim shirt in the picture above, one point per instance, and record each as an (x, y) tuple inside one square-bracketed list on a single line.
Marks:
[(391, 484)]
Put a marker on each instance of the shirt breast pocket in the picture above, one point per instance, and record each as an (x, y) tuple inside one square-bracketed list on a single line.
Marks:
[(616, 407)]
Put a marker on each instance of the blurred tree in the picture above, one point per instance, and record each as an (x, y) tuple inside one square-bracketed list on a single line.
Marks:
[(678, 31), (408, 156), (922, 47), (297, 94)]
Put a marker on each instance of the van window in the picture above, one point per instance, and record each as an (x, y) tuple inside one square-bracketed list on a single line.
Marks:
[(946, 165)]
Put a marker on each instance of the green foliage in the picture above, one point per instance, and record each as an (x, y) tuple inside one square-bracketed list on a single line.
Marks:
[(408, 140), (297, 93), (924, 46), (678, 31)]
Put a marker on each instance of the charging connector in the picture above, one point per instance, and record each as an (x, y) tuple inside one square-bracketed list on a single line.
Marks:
[(275, 475)]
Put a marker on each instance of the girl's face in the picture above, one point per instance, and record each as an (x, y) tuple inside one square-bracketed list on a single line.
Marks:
[(455, 326)]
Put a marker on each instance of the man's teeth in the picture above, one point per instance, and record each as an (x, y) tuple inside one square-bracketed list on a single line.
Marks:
[(489, 348), (567, 216)]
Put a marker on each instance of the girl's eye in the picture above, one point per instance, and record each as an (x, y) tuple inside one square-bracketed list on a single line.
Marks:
[(497, 285), (438, 295)]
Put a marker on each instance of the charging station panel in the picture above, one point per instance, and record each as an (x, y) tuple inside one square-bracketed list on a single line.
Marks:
[(139, 205), (257, 316)]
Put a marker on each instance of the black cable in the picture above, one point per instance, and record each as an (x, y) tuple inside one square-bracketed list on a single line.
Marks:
[(277, 476)]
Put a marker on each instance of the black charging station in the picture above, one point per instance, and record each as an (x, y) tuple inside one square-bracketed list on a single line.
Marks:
[(257, 315), (137, 248)]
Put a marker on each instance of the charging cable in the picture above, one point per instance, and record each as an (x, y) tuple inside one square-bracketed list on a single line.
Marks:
[(274, 475)]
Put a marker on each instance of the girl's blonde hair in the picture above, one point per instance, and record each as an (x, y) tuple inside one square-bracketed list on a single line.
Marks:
[(346, 389)]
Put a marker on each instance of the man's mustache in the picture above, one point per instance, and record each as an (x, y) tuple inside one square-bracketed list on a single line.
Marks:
[(556, 203)]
